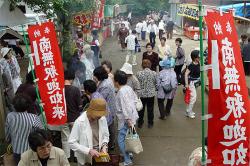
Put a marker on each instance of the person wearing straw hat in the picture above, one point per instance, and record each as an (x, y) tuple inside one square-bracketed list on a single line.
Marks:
[(90, 134), (132, 81), (166, 78), (14, 67)]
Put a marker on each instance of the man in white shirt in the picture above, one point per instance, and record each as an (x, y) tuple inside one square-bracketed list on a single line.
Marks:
[(131, 41), (138, 29), (153, 31), (161, 28), (144, 30), (127, 24)]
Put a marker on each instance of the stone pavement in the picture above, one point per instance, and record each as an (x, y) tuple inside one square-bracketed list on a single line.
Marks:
[(169, 142)]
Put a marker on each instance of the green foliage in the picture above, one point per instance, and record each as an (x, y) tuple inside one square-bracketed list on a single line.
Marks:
[(141, 7)]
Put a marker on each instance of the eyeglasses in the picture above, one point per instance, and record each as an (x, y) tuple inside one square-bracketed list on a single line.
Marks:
[(45, 147)]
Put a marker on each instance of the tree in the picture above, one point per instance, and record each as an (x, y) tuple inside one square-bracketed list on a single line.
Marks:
[(63, 10), (141, 7)]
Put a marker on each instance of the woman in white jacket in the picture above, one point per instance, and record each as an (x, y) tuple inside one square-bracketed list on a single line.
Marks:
[(90, 134)]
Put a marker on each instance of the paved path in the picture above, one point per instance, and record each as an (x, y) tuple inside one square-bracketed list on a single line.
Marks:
[(169, 142)]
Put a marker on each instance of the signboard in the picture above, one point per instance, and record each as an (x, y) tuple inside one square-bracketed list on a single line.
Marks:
[(49, 71), (189, 11), (228, 129)]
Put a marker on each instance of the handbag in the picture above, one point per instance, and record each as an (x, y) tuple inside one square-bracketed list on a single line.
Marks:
[(133, 142), (114, 161), (187, 96), (139, 104)]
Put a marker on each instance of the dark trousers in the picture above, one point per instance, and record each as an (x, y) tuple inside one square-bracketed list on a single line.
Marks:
[(169, 34), (149, 103), (143, 35), (166, 111), (17, 158), (111, 143), (177, 70), (160, 33), (247, 68), (152, 37)]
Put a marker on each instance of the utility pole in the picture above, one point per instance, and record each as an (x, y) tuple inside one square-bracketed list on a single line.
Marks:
[(202, 83)]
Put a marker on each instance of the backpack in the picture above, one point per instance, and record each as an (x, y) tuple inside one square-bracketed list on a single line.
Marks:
[(167, 87)]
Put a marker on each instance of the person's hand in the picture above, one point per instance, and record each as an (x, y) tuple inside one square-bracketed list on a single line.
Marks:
[(130, 124), (94, 153), (104, 149)]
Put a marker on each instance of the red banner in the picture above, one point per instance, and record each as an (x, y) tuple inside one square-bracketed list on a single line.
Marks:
[(228, 129), (99, 14), (49, 71)]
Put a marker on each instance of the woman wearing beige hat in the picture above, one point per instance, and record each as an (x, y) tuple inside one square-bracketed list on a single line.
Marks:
[(90, 134), (14, 67), (132, 81)]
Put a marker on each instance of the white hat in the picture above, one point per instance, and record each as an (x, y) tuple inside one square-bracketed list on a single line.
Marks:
[(5, 51), (127, 68)]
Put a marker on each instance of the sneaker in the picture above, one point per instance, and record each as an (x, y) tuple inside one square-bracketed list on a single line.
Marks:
[(127, 164), (191, 115)]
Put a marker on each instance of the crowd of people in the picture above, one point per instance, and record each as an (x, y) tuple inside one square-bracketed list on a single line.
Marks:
[(99, 101)]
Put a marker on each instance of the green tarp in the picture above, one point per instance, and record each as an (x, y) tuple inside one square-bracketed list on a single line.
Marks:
[(108, 11)]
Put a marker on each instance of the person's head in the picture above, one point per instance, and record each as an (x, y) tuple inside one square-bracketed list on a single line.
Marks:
[(89, 86), (6, 53), (195, 55), (21, 102), (30, 78), (163, 41), (149, 47), (40, 142), (107, 66), (69, 75), (146, 64), (100, 74), (96, 109), (3, 43), (133, 32), (80, 35), (122, 25), (178, 42), (243, 37), (120, 78), (127, 68)]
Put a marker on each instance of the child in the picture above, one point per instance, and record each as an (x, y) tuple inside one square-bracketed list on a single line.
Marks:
[(192, 80)]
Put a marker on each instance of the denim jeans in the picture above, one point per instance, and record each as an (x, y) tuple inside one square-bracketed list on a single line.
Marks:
[(121, 142)]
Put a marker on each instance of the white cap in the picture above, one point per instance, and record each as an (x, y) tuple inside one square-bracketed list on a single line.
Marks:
[(5, 51), (127, 68)]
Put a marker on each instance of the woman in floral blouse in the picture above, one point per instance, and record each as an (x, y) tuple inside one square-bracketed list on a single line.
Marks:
[(147, 79)]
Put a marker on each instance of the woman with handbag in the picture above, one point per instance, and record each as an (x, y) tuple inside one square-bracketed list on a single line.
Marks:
[(166, 85), (147, 79), (126, 113)]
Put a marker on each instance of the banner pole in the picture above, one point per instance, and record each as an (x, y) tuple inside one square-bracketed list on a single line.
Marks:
[(202, 82), (34, 78)]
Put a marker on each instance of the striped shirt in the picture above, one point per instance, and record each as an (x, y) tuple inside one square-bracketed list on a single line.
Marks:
[(18, 127)]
